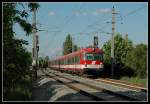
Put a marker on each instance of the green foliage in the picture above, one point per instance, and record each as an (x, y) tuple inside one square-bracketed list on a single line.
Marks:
[(67, 45), (43, 62), (137, 80), (16, 59), (129, 60), (121, 48), (23, 23), (75, 48), (33, 6), (137, 60), (21, 91)]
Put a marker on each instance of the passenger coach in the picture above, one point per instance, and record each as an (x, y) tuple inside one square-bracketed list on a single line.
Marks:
[(86, 60)]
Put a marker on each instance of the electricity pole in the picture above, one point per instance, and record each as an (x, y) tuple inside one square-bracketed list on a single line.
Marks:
[(112, 41), (35, 46)]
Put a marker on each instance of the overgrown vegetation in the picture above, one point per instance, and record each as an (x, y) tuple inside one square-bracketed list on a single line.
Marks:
[(16, 59), (43, 62), (130, 60), (140, 81)]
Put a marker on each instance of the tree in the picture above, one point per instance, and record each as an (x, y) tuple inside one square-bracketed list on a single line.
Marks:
[(75, 48), (13, 49), (46, 61), (129, 60), (16, 59), (121, 49), (137, 60), (43, 62), (33, 6), (67, 45)]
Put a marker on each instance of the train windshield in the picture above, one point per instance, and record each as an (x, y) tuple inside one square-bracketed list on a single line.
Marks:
[(90, 56)]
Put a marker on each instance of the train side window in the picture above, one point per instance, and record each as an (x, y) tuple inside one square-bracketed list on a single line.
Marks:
[(67, 61), (71, 60), (77, 59), (62, 62)]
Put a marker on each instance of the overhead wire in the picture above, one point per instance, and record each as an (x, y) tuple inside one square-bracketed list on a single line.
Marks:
[(62, 25)]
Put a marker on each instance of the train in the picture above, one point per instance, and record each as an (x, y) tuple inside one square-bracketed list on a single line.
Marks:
[(83, 61)]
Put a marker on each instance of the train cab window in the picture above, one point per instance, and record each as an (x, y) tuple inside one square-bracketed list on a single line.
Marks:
[(98, 57), (89, 56), (93, 56)]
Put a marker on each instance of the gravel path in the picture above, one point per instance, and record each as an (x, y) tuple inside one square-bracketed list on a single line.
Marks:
[(47, 89)]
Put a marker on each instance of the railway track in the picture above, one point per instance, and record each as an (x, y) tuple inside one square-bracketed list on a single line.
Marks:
[(119, 83), (122, 84), (94, 92)]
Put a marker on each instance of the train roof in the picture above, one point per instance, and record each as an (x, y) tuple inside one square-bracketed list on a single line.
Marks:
[(86, 50)]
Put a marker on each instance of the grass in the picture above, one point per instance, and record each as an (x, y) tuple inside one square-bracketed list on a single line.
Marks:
[(141, 81), (21, 91)]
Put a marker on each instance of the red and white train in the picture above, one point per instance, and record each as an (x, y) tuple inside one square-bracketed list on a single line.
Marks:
[(86, 60)]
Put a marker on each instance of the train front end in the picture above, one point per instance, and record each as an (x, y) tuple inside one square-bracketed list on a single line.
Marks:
[(92, 61)]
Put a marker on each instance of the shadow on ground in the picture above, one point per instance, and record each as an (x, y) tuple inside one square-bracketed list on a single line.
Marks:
[(50, 90)]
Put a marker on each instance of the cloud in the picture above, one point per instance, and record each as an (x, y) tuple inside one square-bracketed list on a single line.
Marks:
[(51, 13), (101, 11), (96, 12), (79, 13)]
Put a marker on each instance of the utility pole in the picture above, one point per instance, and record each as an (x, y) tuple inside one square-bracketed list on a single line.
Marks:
[(112, 41), (35, 46)]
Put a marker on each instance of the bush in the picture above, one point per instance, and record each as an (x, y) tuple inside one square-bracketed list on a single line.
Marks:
[(21, 91)]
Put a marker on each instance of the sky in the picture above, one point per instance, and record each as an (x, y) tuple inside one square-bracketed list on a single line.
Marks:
[(83, 21)]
